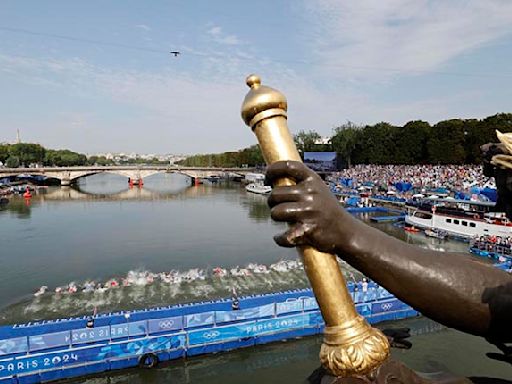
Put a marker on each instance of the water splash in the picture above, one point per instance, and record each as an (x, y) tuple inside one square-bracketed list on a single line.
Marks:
[(143, 289)]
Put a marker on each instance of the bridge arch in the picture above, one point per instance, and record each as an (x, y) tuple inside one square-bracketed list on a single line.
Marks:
[(67, 175)]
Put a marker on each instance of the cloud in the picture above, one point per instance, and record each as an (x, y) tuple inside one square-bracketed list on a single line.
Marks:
[(372, 37), (181, 112), (195, 108), (217, 35), (143, 26)]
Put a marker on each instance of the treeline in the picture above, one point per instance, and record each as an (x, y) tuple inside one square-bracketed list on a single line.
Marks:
[(455, 141), (26, 154), (248, 157)]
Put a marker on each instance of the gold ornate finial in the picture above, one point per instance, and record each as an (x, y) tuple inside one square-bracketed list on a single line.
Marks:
[(351, 346), (262, 102), (253, 81)]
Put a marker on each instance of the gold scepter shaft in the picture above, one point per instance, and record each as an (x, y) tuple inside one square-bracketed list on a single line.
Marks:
[(351, 346)]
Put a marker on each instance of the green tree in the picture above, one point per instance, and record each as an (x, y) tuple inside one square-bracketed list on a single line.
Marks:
[(446, 142), (4, 152), (28, 153), (379, 143), (64, 158), (305, 141), (345, 140), (12, 162), (411, 143)]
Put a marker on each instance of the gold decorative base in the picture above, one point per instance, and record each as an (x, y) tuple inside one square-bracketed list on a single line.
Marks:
[(353, 349)]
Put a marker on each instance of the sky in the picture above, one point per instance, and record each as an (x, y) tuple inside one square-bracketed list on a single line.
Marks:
[(97, 76)]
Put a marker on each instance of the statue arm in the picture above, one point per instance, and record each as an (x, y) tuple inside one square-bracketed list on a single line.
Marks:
[(454, 289)]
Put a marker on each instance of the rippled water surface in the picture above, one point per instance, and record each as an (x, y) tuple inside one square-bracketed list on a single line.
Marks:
[(102, 230)]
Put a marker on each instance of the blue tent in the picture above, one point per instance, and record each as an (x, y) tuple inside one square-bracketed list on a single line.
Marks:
[(491, 193), (402, 186), (352, 201), (461, 196), (346, 182)]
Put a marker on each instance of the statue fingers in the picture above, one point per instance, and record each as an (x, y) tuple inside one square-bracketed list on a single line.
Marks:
[(291, 212), (292, 169), (284, 194), (293, 237)]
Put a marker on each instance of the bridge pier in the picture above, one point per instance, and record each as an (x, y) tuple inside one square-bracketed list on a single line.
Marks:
[(135, 181), (195, 181), (65, 182)]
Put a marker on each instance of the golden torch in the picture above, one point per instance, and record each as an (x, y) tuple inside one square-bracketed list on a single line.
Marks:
[(351, 346)]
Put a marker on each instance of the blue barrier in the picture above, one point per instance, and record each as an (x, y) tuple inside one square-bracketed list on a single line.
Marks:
[(165, 324), (387, 306), (48, 341), (90, 335), (74, 352), (245, 314), (12, 346), (200, 319)]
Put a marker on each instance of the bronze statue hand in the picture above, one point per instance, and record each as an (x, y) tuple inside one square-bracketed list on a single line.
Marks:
[(315, 215)]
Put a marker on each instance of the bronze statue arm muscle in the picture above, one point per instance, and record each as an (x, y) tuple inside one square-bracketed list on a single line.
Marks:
[(451, 288)]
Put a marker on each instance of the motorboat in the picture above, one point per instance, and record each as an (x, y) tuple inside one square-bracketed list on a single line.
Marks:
[(459, 218), (258, 188), (438, 234)]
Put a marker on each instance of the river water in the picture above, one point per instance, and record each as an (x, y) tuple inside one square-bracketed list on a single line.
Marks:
[(101, 230)]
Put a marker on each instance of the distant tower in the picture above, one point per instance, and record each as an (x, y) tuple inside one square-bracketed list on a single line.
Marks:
[(18, 140)]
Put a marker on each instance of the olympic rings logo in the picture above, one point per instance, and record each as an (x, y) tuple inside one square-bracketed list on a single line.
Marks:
[(211, 335), (166, 324), (386, 306)]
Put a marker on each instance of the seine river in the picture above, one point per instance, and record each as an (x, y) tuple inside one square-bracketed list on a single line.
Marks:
[(101, 229)]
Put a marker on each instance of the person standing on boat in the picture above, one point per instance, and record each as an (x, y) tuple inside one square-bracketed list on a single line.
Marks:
[(364, 288), (450, 288), (235, 302)]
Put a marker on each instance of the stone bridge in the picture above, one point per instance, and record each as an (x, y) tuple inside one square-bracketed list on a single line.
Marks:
[(135, 174)]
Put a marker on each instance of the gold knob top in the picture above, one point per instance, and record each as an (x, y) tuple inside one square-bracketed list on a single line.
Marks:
[(262, 102)]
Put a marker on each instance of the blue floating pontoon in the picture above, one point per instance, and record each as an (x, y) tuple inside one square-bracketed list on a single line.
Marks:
[(381, 219), (56, 349)]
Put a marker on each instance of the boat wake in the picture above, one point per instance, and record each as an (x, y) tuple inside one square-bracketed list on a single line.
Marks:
[(144, 289)]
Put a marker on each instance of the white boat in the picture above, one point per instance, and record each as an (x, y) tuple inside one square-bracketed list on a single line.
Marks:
[(459, 218), (258, 188), (254, 178)]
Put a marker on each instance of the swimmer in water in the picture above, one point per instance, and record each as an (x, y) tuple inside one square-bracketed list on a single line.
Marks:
[(100, 288), (41, 291), (88, 287), (219, 272)]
